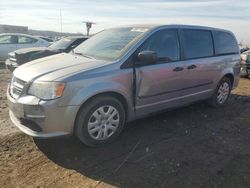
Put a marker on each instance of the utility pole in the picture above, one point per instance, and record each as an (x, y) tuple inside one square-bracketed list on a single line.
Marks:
[(88, 26), (61, 19)]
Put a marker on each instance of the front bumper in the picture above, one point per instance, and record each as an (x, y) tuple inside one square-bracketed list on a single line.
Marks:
[(245, 70), (43, 119)]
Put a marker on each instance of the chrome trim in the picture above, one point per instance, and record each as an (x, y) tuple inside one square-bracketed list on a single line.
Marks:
[(16, 87), (35, 116)]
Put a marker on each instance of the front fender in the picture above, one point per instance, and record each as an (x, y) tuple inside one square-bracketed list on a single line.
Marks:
[(88, 91)]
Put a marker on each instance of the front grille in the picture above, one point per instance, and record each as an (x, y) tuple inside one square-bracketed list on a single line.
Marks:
[(16, 87)]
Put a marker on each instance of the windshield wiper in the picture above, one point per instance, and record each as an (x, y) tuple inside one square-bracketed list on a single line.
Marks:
[(84, 55)]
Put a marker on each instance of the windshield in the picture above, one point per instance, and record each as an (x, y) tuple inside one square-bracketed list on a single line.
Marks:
[(110, 44), (47, 39), (61, 44)]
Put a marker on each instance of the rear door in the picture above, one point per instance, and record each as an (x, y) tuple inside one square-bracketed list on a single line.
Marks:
[(228, 53), (201, 65), (7, 44), (160, 85), (26, 42)]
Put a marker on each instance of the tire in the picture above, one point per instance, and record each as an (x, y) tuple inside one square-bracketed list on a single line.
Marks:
[(215, 101), (100, 115)]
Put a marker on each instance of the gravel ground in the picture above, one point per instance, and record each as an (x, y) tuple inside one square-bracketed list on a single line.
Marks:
[(6, 126), (194, 146)]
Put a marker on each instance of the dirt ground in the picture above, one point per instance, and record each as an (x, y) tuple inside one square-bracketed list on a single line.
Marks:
[(194, 146)]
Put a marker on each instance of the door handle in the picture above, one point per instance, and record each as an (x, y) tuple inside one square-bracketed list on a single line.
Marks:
[(191, 67), (176, 69)]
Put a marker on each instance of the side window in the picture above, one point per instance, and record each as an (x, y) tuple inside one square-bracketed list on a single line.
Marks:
[(8, 39), (25, 40), (225, 43), (197, 43), (165, 43)]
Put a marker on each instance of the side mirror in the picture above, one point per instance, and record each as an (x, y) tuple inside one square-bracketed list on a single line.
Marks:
[(147, 57)]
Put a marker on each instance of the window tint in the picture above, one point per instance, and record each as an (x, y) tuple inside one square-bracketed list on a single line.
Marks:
[(7, 39), (224, 43), (26, 40), (197, 43), (165, 43)]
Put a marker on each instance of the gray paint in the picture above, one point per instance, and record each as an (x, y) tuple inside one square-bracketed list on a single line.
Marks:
[(158, 87)]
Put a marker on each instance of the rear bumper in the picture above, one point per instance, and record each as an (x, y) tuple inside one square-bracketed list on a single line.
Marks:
[(43, 119)]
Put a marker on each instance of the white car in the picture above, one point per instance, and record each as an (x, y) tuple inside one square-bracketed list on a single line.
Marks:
[(245, 64), (13, 41)]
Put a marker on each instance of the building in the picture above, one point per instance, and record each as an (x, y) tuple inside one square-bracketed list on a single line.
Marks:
[(13, 29)]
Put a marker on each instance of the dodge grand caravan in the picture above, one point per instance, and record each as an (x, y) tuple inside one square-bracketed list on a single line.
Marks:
[(122, 74)]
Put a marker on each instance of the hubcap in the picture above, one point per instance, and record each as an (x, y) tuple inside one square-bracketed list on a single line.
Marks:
[(103, 122), (223, 93)]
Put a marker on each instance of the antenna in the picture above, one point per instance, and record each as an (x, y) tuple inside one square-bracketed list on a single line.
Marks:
[(88, 26)]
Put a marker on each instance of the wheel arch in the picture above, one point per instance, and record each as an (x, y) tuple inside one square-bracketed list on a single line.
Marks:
[(114, 94), (230, 76)]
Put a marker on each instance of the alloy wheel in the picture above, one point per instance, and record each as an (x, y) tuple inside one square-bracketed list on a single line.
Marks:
[(103, 122)]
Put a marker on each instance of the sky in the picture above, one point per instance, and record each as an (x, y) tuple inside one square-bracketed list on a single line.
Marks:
[(45, 14)]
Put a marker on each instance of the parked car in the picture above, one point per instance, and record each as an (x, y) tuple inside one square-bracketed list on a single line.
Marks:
[(242, 50), (22, 56), (120, 75), (245, 65), (10, 42)]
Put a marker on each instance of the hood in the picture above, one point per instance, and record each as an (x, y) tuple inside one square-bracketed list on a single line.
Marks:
[(56, 66), (33, 49)]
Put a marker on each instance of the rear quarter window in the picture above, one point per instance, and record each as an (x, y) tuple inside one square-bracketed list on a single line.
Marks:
[(225, 43), (197, 43)]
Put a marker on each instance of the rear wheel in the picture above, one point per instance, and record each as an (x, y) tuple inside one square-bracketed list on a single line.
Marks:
[(221, 93), (100, 121)]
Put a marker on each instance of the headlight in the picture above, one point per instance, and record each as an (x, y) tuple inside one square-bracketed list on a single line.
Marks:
[(47, 90)]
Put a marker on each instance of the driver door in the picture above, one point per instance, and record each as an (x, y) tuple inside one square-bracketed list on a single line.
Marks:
[(159, 85)]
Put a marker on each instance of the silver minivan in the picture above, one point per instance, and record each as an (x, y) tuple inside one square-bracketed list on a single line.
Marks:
[(120, 75)]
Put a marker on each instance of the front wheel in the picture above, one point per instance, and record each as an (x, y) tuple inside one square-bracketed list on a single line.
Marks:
[(221, 93), (100, 121)]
